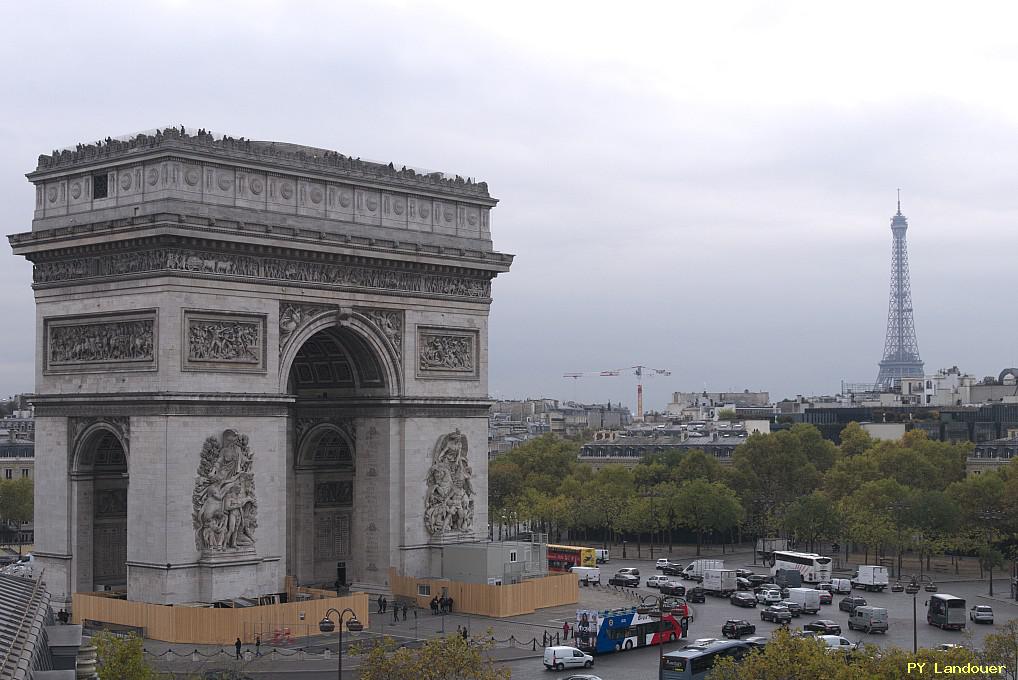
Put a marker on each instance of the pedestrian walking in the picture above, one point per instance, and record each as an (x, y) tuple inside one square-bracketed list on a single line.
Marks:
[(448, 604), (464, 632), (544, 639), (565, 630), (434, 606), (404, 610), (379, 601), (459, 630), (395, 612), (385, 604), (415, 613), (258, 645), (237, 645)]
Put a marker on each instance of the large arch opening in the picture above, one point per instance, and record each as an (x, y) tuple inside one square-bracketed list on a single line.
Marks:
[(100, 480), (338, 378)]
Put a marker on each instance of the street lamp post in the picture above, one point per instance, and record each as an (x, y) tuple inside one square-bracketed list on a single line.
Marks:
[(913, 589), (352, 624)]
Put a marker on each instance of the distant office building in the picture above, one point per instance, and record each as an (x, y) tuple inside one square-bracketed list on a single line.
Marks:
[(707, 405), (992, 454), (513, 422), (630, 447)]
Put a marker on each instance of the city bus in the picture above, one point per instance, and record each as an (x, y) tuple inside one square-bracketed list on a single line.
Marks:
[(946, 612), (695, 663), (814, 568), (564, 557), (617, 630)]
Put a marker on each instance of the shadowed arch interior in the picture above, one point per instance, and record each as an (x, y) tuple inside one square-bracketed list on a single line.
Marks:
[(101, 488), (335, 359)]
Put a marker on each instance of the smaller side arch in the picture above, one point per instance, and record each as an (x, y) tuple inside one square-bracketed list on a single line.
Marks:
[(89, 438), (337, 444)]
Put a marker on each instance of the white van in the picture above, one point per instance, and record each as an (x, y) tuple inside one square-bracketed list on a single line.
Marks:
[(807, 598), (868, 619), (587, 574), (560, 658), (694, 570), (601, 555), (841, 586), (870, 577)]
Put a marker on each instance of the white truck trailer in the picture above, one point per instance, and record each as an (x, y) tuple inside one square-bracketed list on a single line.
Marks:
[(870, 577), (694, 570), (719, 582)]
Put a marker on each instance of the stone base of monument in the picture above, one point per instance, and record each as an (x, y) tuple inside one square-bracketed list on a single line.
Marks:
[(222, 575)]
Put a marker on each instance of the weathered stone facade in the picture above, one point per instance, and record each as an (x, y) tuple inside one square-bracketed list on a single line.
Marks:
[(255, 359)]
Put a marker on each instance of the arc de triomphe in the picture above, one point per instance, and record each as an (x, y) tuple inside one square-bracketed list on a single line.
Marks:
[(254, 359)]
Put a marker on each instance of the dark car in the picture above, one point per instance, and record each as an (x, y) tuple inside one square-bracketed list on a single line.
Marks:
[(826, 597), (633, 571), (757, 641), (823, 627), (793, 607), (743, 600), (696, 594), (624, 580), (848, 604), (777, 614), (672, 569), (757, 579), (673, 588), (736, 628), (743, 584), (743, 573)]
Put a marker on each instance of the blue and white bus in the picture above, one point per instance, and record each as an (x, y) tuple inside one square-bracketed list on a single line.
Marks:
[(694, 663)]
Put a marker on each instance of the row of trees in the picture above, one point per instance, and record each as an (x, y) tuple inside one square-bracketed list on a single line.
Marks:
[(16, 507), (884, 496)]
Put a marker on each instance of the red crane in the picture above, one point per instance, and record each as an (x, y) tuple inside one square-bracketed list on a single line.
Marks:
[(639, 371)]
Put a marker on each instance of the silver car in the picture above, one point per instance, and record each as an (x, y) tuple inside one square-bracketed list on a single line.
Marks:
[(981, 613)]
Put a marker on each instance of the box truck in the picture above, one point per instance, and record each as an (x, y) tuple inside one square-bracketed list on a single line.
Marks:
[(694, 570), (719, 582), (870, 577), (765, 547), (808, 599)]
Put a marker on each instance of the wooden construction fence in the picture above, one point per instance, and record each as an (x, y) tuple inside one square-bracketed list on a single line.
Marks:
[(495, 601), (206, 625)]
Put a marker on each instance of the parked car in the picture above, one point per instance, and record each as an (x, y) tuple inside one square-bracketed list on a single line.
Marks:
[(662, 563), (743, 584), (743, 573), (794, 607), (823, 627), (742, 600), (696, 594), (757, 579), (776, 613), (826, 597), (671, 587), (624, 580), (629, 570), (981, 614), (656, 580), (768, 596), (672, 569), (736, 628), (562, 657), (848, 604)]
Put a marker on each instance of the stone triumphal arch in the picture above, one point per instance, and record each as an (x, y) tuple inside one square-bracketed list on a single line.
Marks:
[(255, 360)]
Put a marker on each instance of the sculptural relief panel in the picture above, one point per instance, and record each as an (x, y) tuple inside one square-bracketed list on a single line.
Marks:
[(222, 341), (94, 343), (447, 353), (390, 323), (224, 506), (449, 500)]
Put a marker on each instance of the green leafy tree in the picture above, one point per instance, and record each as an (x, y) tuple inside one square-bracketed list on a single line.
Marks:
[(855, 439), (698, 465), (1001, 649), (16, 504), (707, 506), (122, 658), (813, 517), (727, 414), (872, 514), (443, 658)]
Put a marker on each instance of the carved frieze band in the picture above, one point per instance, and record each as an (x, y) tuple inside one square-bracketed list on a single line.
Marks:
[(231, 265), (220, 341), (390, 323), (293, 316), (447, 353), (118, 341)]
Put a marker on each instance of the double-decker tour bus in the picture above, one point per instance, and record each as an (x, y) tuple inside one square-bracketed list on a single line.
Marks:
[(814, 568), (563, 557), (616, 630)]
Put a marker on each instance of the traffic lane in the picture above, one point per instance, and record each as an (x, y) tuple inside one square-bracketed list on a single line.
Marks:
[(710, 616), (635, 664)]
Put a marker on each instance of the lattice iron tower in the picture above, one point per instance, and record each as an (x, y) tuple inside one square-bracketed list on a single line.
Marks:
[(901, 350)]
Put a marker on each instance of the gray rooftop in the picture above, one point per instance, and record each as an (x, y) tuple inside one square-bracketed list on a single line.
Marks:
[(24, 613)]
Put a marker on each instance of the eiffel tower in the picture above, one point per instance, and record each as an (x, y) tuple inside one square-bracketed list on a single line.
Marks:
[(901, 350)]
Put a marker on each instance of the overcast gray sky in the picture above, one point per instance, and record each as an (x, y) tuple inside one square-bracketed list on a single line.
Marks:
[(703, 187)]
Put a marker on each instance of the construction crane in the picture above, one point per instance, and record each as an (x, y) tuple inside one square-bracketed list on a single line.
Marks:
[(639, 371)]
